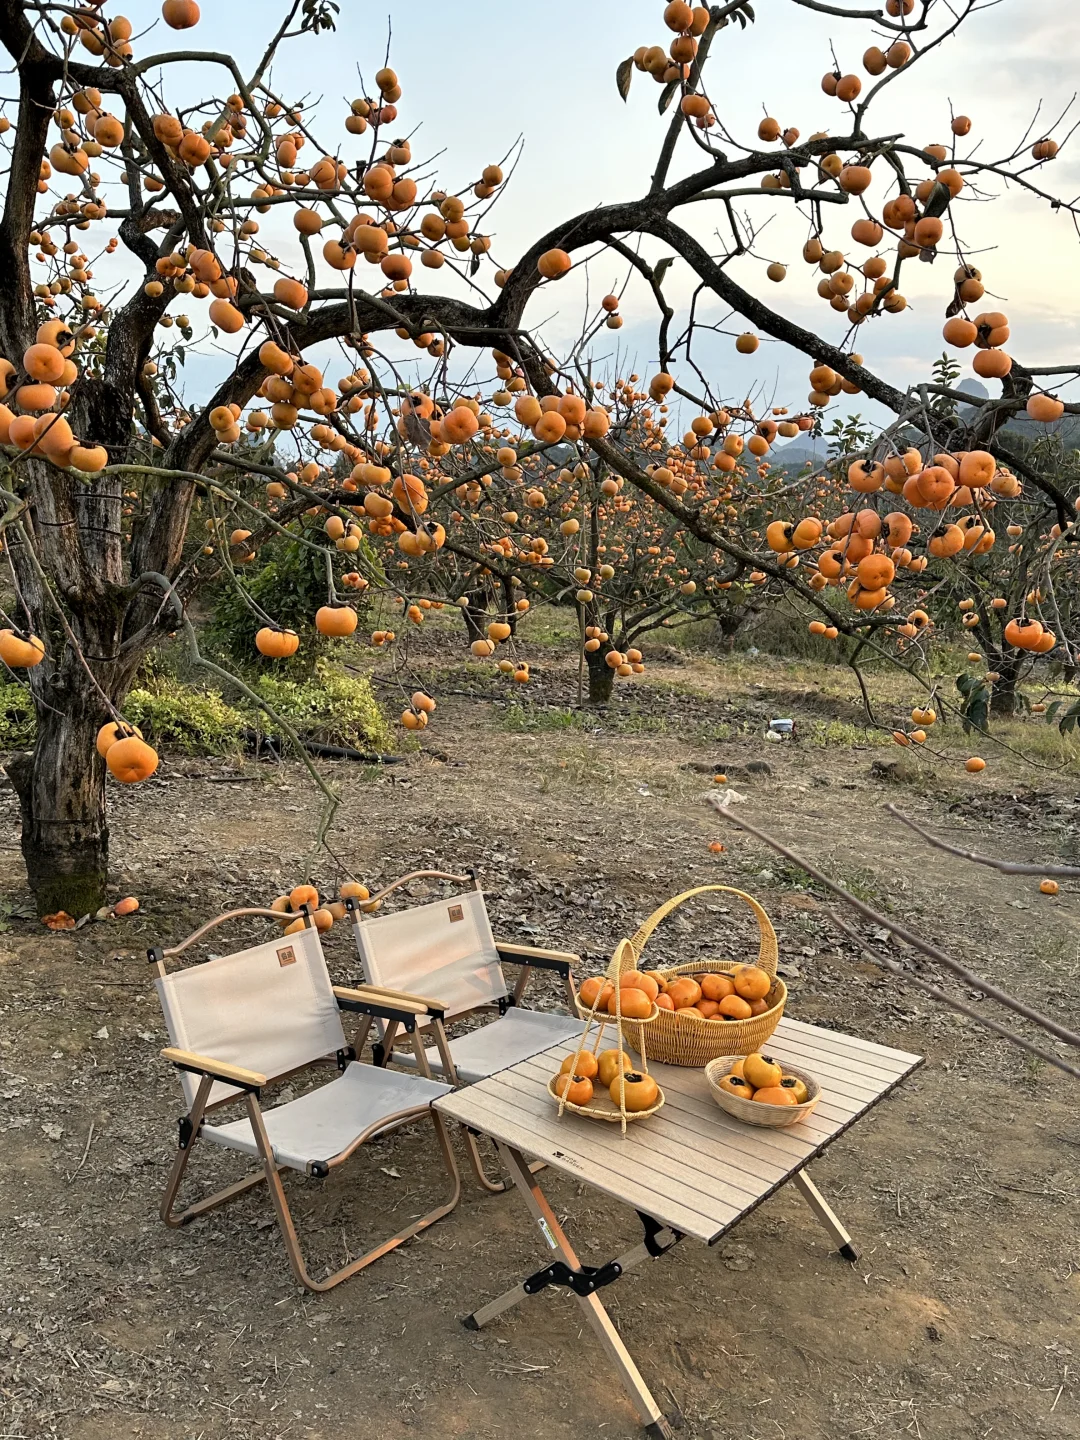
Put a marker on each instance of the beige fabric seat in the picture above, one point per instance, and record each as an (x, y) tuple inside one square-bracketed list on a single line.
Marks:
[(517, 1035), (240, 1022), (324, 1126), (445, 952)]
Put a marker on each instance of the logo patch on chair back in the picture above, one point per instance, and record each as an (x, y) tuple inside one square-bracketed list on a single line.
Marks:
[(456, 912), (286, 955)]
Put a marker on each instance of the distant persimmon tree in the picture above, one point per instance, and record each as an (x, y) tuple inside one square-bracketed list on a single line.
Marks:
[(123, 494)]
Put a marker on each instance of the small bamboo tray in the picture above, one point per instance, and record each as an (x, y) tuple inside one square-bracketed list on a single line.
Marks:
[(602, 1107), (766, 1117)]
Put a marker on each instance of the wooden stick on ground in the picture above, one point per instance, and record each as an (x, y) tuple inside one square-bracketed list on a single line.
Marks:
[(1007, 867), (915, 941), (946, 999)]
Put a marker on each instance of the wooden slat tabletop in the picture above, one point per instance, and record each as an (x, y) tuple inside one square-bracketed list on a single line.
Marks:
[(691, 1166)]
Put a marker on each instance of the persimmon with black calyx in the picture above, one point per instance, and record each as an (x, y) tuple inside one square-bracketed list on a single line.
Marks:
[(633, 1091), (774, 1095), (797, 1088), (18, 653), (574, 1089), (761, 1070), (735, 1085), (113, 731)]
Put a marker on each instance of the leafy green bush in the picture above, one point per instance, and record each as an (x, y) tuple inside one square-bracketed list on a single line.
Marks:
[(333, 708), (180, 717), (16, 717), (289, 585)]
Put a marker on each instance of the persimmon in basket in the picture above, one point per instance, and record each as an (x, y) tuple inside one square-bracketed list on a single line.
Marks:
[(761, 1078), (738, 994), (576, 1089)]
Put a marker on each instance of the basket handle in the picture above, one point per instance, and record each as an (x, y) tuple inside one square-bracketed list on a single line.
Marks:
[(768, 953)]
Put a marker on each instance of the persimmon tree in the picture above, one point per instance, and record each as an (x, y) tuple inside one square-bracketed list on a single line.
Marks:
[(124, 494)]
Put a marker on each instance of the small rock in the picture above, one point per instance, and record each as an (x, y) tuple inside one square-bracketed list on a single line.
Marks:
[(737, 1256)]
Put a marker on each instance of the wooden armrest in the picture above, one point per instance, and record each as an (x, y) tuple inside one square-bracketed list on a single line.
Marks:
[(377, 995), (536, 955), (219, 1069)]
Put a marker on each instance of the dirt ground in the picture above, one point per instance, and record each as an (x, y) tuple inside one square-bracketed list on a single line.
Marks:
[(961, 1190)]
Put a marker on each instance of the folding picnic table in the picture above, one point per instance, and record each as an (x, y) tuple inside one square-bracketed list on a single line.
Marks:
[(689, 1170)]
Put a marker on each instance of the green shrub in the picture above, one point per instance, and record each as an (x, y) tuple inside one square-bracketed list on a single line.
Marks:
[(180, 717), (290, 586), (333, 708), (16, 717)]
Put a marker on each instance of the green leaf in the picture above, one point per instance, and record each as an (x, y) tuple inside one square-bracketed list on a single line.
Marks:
[(623, 75), (661, 268)]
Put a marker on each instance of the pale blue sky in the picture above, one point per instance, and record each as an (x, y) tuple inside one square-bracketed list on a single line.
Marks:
[(476, 77)]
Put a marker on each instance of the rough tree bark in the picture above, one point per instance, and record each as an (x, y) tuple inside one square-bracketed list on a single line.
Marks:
[(601, 675)]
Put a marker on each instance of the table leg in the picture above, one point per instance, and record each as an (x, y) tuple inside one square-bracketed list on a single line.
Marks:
[(476, 1321), (824, 1213), (651, 1415)]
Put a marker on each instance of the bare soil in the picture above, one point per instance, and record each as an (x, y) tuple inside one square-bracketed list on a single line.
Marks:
[(961, 1190)]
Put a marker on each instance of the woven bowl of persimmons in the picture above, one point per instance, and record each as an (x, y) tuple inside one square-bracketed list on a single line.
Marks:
[(760, 1091)]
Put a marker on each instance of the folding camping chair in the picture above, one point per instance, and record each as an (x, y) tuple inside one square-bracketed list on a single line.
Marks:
[(240, 1022), (446, 949)]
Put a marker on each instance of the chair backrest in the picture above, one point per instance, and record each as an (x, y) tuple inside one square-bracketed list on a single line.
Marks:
[(270, 1009), (443, 950)]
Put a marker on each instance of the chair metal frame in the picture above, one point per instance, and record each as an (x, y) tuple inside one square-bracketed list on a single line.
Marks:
[(400, 1010), (528, 957)]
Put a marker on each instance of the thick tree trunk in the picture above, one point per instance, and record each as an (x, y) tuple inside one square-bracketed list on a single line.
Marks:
[(1004, 700), (475, 614), (601, 676), (61, 789)]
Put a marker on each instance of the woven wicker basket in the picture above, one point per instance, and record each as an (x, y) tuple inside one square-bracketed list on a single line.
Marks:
[(684, 1039), (767, 1117)]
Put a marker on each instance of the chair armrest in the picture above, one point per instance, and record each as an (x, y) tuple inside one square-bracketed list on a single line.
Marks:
[(561, 961), (390, 1004), (219, 1069)]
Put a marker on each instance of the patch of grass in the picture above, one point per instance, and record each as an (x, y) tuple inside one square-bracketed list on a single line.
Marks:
[(722, 730), (532, 719), (641, 723), (836, 734), (863, 883), (1037, 740), (16, 717)]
